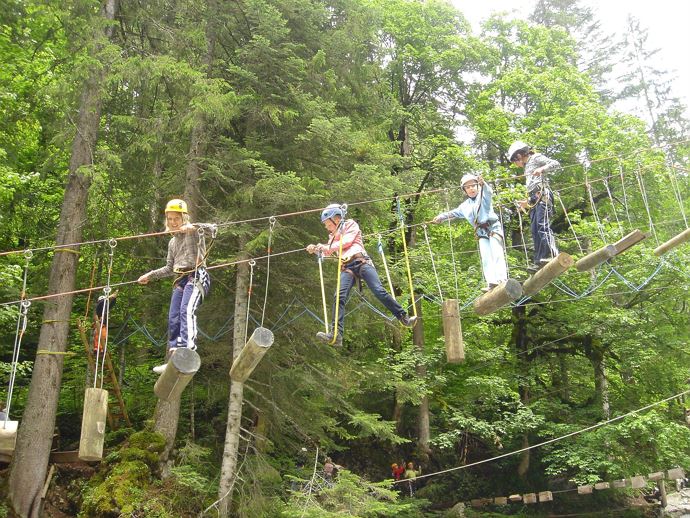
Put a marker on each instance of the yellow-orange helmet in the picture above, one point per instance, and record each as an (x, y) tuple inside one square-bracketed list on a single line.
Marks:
[(176, 206)]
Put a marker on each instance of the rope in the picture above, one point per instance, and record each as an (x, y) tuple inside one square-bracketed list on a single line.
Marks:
[(522, 233), (625, 196), (452, 252), (555, 439), (379, 246), (104, 318), (319, 259), (676, 190), (22, 321), (433, 264), (595, 213), (646, 205), (613, 208), (271, 224), (407, 257), (570, 223), (252, 263)]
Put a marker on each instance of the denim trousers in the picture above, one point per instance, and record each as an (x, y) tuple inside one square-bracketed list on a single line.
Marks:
[(187, 296)]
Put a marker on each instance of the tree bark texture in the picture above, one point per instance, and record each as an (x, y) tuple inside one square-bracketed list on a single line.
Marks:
[(423, 430), (521, 343), (228, 472), (30, 462)]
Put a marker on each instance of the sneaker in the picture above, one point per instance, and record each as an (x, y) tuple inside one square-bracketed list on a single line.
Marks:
[(159, 369), (544, 261), (328, 338), (407, 320), (533, 268)]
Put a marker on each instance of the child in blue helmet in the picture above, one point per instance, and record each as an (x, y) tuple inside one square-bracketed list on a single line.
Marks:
[(356, 264), (477, 209)]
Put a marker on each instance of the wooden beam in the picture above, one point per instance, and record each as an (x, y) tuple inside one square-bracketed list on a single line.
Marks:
[(659, 475), (638, 482), (629, 241), (503, 294), (250, 356), (681, 238), (93, 421), (553, 269), (595, 258), (501, 500), (180, 369), (452, 331), (529, 498), (585, 490), (600, 486)]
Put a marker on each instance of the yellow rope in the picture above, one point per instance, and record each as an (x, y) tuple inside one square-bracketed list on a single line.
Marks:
[(70, 250), (58, 353), (323, 292), (337, 288), (409, 271)]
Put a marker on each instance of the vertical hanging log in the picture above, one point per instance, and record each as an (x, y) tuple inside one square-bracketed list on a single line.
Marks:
[(452, 331), (8, 436), (545, 496), (93, 424)]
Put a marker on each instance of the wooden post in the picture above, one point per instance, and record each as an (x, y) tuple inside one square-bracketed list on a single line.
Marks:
[(452, 331), (599, 486), (503, 294), (595, 258), (180, 369), (628, 241), (93, 424), (662, 491), (250, 356), (553, 269), (585, 490), (638, 482), (673, 242), (545, 496), (530, 498), (8, 435)]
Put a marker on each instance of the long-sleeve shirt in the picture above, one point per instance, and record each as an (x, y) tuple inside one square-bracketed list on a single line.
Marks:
[(351, 236), (183, 254), (536, 161), (478, 212)]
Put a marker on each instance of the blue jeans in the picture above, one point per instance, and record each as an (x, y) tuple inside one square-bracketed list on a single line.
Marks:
[(186, 297), (367, 272), (540, 225)]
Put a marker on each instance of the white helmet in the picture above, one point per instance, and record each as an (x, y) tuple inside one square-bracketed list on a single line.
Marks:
[(467, 178), (516, 146)]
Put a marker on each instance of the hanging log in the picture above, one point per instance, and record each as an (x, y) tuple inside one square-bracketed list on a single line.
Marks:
[(619, 484), (595, 258), (501, 500), (181, 367), (659, 475), (585, 490), (529, 498), (638, 482), (250, 356), (599, 486), (515, 498), (8, 435), (549, 272), (545, 496), (628, 241), (503, 294), (681, 238), (452, 331), (93, 424)]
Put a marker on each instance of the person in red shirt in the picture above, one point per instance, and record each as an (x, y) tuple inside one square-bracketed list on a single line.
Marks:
[(397, 471), (356, 264)]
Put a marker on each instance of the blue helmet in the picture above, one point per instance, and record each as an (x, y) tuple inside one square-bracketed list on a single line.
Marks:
[(331, 211)]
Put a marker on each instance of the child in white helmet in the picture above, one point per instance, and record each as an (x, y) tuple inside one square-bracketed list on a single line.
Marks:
[(356, 264), (540, 200), (478, 211), (187, 259)]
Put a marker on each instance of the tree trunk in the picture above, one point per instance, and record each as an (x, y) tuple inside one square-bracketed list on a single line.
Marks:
[(521, 344), (595, 352), (30, 461), (228, 472), (165, 417), (396, 342)]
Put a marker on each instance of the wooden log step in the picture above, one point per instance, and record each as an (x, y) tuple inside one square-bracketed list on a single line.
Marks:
[(629, 241), (452, 331), (595, 258), (180, 369), (505, 293), (548, 273), (672, 243), (250, 356)]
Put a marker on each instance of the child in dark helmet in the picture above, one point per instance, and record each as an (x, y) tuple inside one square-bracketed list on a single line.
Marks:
[(356, 264), (540, 199), (478, 211)]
